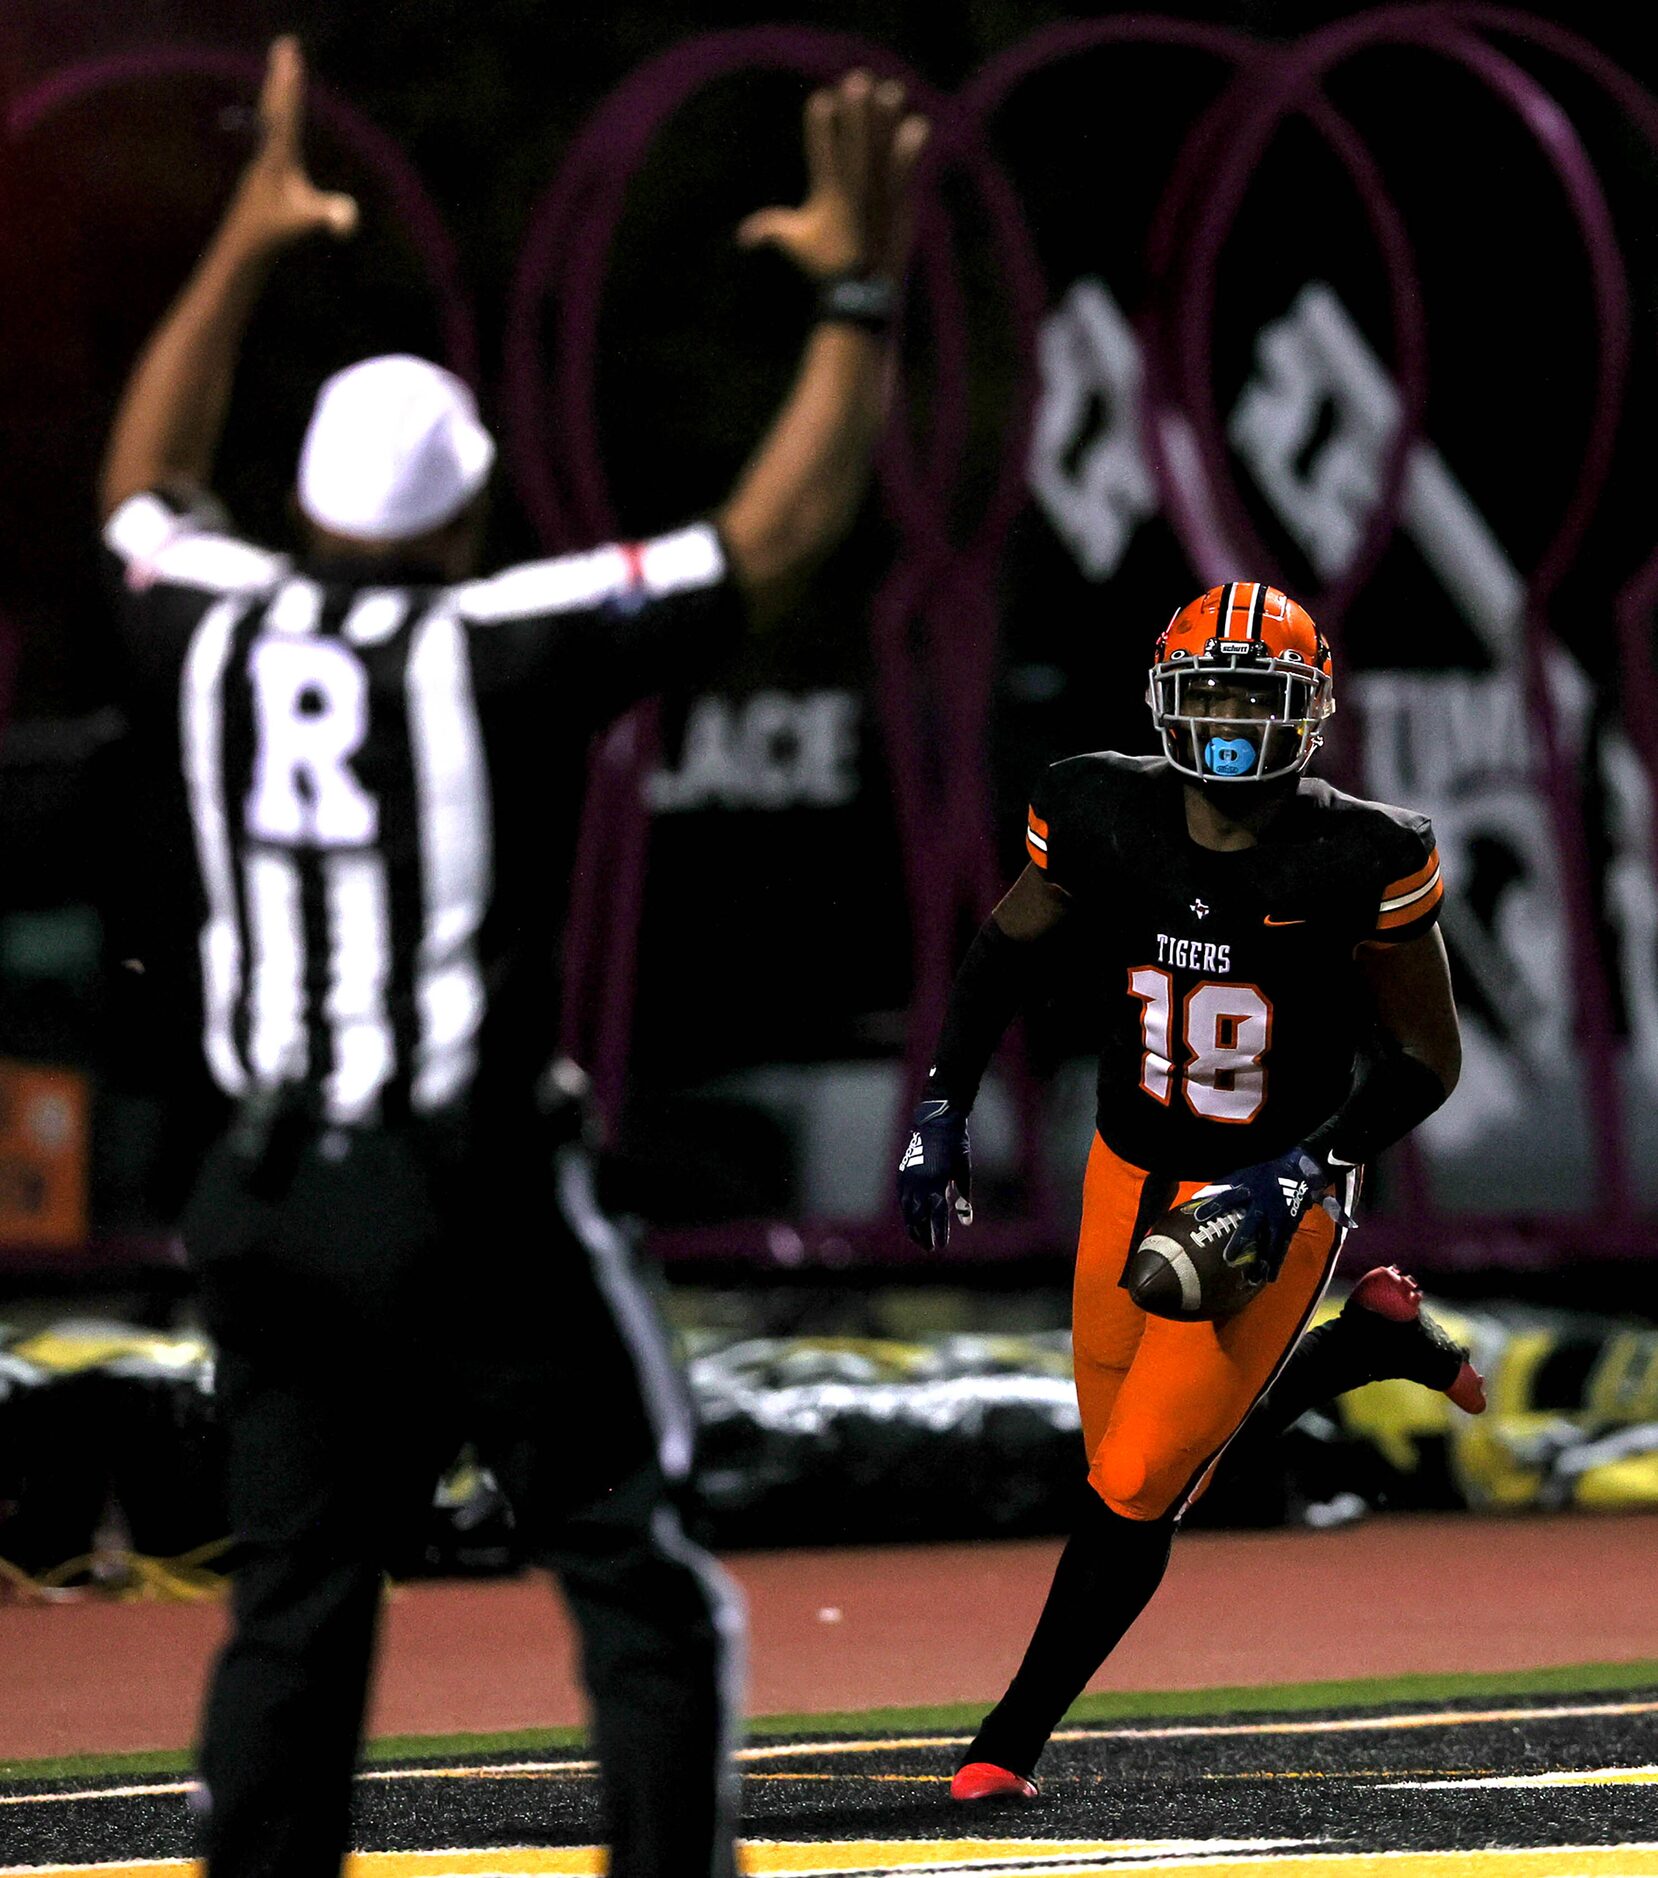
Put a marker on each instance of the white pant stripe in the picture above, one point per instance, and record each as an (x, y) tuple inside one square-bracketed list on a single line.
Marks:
[(667, 1403), (1349, 1190), (668, 1407)]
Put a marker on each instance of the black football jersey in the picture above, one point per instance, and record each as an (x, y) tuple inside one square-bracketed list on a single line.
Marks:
[(1234, 1009), (370, 767)]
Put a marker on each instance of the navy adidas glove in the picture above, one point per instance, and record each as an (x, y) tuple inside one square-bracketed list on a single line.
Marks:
[(936, 1165), (1274, 1196)]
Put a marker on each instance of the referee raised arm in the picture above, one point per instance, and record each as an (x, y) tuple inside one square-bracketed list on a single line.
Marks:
[(396, 1239)]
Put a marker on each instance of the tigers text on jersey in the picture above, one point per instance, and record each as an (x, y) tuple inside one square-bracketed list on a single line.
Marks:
[(1234, 1010), (371, 763)]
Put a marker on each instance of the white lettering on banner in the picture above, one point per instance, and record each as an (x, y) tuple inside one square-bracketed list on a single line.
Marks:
[(1437, 733), (1313, 362), (1086, 465), (774, 750), (1632, 897), (1456, 745), (310, 700)]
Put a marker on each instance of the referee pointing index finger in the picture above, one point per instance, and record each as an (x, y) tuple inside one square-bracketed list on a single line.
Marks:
[(396, 1239)]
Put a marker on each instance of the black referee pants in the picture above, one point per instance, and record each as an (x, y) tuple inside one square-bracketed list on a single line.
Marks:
[(387, 1302)]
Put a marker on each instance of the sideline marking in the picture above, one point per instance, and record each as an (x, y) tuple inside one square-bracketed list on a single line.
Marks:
[(1544, 1861), (1220, 1858), (1450, 1775), (765, 1858), (1347, 1724), (795, 1750), (777, 1858), (149, 1791), (1560, 1777)]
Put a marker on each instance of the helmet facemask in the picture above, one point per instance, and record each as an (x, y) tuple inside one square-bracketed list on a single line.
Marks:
[(1240, 713)]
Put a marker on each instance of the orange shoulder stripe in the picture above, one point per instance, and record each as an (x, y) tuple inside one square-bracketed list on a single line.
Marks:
[(1404, 915), (1412, 881)]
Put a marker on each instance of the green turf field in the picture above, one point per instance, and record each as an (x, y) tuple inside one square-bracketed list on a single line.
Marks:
[(1109, 1706)]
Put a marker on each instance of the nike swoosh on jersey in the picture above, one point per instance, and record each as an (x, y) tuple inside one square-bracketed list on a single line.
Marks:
[(1268, 920)]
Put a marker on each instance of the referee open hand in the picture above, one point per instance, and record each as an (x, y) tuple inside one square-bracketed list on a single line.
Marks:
[(861, 150), (277, 202)]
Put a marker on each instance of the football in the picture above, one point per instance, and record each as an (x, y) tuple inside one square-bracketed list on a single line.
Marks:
[(1180, 1269)]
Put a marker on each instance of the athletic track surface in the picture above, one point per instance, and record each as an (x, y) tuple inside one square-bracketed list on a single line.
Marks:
[(1492, 1785), (910, 1627)]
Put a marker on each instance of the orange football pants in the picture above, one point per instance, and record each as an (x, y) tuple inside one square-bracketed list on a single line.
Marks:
[(1161, 1399)]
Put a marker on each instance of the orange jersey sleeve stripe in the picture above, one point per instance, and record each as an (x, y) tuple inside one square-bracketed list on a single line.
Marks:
[(1420, 904), (1036, 841), (1411, 882)]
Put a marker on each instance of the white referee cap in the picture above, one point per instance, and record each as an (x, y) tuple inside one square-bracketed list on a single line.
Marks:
[(394, 448)]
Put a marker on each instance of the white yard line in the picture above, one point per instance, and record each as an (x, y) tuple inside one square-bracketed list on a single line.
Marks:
[(1559, 1777)]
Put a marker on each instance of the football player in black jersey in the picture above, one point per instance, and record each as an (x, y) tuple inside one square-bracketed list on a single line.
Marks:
[(396, 1238), (1279, 1011)]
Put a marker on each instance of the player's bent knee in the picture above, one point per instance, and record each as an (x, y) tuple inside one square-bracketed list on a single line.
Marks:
[(1119, 1476), (1102, 1372)]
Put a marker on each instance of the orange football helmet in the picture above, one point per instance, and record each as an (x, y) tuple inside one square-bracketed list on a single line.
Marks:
[(1241, 684)]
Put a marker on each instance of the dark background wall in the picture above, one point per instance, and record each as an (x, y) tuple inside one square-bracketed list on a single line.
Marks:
[(102, 209)]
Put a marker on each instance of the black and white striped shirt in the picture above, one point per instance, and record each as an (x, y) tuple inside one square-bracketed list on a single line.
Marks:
[(370, 771)]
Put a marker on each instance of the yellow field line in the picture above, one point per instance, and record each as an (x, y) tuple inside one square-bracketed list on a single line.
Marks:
[(902, 1780), (841, 1746), (1219, 1858), (763, 1858), (120, 1868)]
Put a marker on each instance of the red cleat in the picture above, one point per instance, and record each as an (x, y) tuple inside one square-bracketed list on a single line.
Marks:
[(1386, 1308), (984, 1781), (1390, 1293), (1468, 1391)]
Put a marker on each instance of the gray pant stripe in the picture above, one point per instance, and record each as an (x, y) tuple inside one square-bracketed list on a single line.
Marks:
[(667, 1404)]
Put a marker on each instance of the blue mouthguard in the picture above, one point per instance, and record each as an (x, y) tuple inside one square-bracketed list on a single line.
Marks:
[(1229, 756)]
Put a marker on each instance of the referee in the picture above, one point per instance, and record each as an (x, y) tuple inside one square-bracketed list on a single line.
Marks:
[(396, 1239)]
